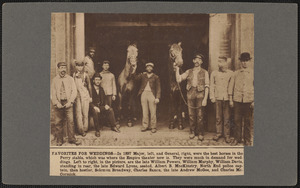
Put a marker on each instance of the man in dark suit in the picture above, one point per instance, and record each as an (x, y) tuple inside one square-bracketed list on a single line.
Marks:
[(99, 108), (150, 92)]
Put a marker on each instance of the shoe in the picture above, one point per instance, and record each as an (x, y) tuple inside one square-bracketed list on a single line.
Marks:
[(180, 127), (144, 129), (83, 134), (201, 137), (227, 140), (216, 137), (192, 135), (234, 142), (76, 142), (116, 129), (59, 144), (153, 130), (97, 133), (118, 125)]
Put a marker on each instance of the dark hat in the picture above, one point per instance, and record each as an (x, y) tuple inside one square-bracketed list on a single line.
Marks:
[(149, 64), (106, 62), (245, 56), (79, 63), (97, 75), (198, 55), (61, 64)]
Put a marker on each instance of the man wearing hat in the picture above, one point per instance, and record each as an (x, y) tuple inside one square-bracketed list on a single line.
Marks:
[(63, 94), (84, 97), (150, 92), (241, 97), (88, 61), (197, 93), (99, 107)]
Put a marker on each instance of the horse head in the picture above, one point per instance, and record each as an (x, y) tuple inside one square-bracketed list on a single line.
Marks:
[(132, 53), (175, 54)]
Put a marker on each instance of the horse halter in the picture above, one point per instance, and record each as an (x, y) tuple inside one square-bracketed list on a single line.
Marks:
[(174, 54)]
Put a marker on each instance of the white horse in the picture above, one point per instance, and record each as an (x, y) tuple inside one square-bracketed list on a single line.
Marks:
[(126, 83)]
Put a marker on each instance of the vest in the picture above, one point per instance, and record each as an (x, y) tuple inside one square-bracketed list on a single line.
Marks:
[(200, 80)]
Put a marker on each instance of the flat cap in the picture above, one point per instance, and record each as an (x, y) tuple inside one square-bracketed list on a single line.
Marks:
[(150, 64), (61, 64)]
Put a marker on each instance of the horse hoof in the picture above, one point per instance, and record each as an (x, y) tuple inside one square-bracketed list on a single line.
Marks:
[(180, 127), (171, 126), (129, 124), (134, 119)]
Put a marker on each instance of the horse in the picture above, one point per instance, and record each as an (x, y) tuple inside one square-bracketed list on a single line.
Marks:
[(126, 84), (176, 101)]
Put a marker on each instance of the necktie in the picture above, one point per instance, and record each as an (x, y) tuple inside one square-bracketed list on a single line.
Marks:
[(62, 91)]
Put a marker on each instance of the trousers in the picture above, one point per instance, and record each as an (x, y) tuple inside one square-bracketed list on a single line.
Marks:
[(242, 110), (148, 104), (60, 115), (82, 112), (222, 118), (194, 99), (82, 106), (103, 114)]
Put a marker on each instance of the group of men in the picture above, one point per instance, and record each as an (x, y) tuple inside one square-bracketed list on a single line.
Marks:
[(94, 92), (226, 89)]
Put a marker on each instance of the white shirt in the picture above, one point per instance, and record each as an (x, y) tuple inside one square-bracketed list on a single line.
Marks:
[(147, 88)]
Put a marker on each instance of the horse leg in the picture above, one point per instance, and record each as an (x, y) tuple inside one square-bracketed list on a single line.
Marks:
[(172, 109), (179, 110), (130, 108), (120, 105)]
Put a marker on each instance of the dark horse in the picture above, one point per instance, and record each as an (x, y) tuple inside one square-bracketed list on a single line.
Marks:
[(126, 84), (176, 101)]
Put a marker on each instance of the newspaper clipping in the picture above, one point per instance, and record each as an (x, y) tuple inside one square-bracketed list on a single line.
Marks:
[(151, 94)]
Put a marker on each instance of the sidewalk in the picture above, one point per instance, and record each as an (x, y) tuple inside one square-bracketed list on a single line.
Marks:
[(132, 136)]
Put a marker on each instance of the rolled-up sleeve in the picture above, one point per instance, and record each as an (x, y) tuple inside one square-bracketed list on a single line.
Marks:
[(212, 85), (206, 79), (183, 76), (231, 83)]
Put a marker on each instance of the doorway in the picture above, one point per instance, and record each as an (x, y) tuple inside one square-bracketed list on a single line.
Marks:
[(153, 33)]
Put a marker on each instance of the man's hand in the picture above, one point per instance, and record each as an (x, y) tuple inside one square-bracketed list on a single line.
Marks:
[(90, 100), (252, 105), (156, 101), (113, 97), (204, 102), (213, 100), (175, 66), (106, 107), (68, 105), (97, 109), (231, 103), (58, 105)]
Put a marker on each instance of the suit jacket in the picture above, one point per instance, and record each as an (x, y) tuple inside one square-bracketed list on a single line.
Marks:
[(154, 83), (98, 100)]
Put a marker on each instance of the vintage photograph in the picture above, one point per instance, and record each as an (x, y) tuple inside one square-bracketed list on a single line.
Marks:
[(152, 80)]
